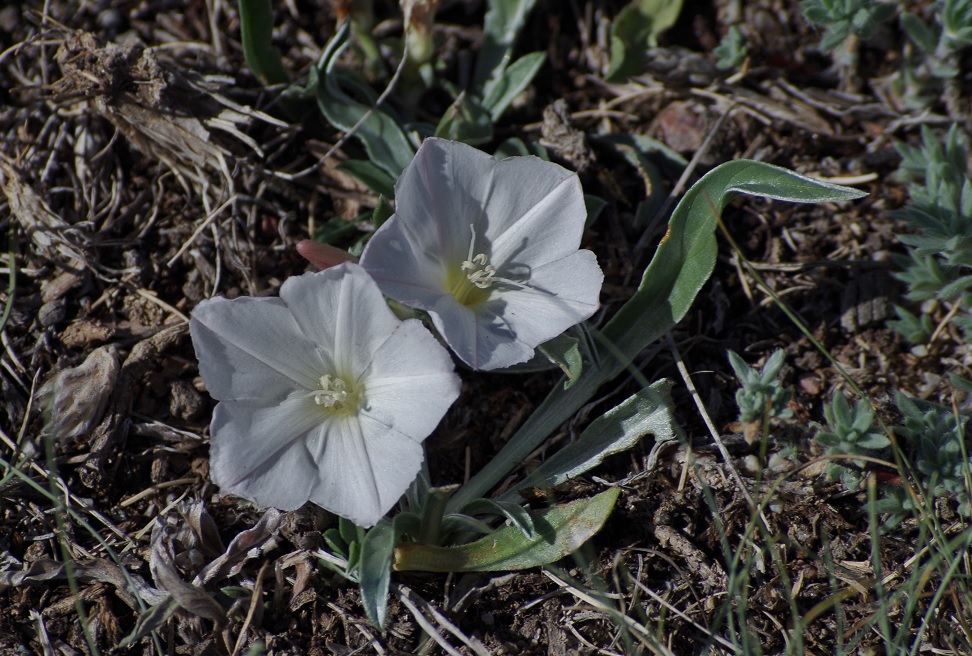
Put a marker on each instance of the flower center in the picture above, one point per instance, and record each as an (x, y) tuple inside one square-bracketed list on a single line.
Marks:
[(469, 284), (479, 271), (335, 396)]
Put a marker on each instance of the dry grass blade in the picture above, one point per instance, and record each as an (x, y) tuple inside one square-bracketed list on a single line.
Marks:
[(639, 631)]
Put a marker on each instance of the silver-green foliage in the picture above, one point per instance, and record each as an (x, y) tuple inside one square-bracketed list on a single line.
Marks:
[(850, 432), (761, 395), (942, 41), (938, 266), (931, 62), (935, 436), (842, 18), (931, 439), (732, 50)]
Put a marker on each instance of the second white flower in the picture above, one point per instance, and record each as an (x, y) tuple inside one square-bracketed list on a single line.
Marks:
[(489, 249)]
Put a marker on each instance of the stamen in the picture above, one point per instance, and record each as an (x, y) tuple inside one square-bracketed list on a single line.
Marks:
[(333, 392), (477, 268)]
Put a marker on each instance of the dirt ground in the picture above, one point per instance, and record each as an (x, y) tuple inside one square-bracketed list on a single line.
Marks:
[(144, 169)]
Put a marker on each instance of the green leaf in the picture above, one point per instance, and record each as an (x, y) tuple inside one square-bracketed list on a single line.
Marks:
[(466, 120), (504, 20), (516, 147), (384, 139), (332, 537), (349, 531), (256, 33), (649, 412), (960, 383), (151, 620), (372, 176), (514, 512), (873, 441), (377, 552), (595, 205), (639, 149), (564, 352), (512, 83), (635, 29), (383, 212), (923, 36), (681, 265), (559, 531)]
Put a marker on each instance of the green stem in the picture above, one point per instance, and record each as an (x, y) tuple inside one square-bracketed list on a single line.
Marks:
[(432, 513)]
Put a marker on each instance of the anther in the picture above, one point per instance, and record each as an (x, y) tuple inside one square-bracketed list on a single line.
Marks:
[(333, 392), (477, 268)]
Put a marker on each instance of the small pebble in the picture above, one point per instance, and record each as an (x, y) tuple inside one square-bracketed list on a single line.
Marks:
[(52, 312)]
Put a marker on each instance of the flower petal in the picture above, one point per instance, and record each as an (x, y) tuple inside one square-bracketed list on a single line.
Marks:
[(396, 260), (481, 339), (258, 450), (365, 469), (507, 328), (342, 311), (559, 295), (542, 221), (250, 348), (411, 382), (441, 193)]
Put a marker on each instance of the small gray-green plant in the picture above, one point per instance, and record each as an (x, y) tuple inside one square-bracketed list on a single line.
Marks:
[(843, 18), (935, 437), (935, 59), (850, 432), (938, 267), (732, 50), (931, 438), (762, 397)]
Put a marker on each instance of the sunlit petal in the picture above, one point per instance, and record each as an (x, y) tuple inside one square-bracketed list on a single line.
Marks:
[(473, 239), (348, 394), (250, 348)]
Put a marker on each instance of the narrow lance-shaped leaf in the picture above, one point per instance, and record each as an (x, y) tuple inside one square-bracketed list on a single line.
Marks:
[(256, 32), (383, 138), (504, 20), (564, 352), (648, 412), (375, 572), (377, 551), (559, 531), (681, 265), (376, 178), (514, 512), (514, 80)]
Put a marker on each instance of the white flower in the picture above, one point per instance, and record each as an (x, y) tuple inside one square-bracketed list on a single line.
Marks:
[(324, 394), (489, 249)]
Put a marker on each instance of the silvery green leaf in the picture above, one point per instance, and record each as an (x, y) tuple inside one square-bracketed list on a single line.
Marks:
[(386, 142), (560, 531), (256, 33), (374, 575), (375, 563), (504, 20), (649, 412), (466, 120), (375, 178), (564, 352), (514, 512), (681, 265), (514, 80)]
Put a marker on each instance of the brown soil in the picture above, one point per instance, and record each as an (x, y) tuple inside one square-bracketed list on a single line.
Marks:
[(144, 169)]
